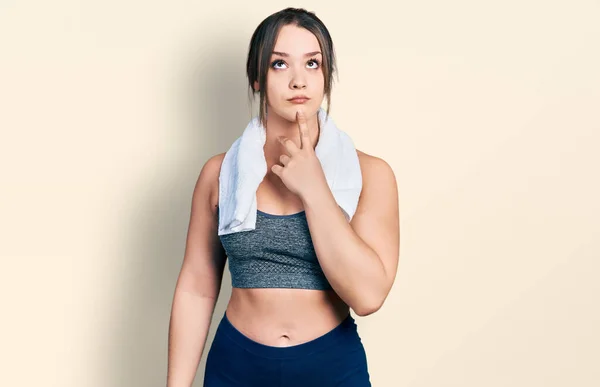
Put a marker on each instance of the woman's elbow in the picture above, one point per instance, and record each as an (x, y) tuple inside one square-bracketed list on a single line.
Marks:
[(367, 308)]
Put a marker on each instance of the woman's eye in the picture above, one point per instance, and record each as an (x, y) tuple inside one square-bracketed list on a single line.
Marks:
[(274, 64), (316, 62)]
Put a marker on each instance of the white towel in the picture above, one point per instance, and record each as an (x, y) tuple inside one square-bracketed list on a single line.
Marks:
[(244, 168)]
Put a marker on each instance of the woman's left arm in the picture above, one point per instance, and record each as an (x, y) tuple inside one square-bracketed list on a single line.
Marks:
[(360, 257)]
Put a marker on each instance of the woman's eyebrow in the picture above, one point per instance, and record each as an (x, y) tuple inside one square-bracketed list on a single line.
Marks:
[(285, 54)]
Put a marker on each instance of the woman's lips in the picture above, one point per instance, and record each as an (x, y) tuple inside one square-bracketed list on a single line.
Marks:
[(299, 100)]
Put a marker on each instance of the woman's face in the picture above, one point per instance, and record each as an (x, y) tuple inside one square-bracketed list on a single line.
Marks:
[(295, 69)]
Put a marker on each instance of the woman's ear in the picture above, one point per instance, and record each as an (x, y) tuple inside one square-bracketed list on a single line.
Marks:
[(256, 86)]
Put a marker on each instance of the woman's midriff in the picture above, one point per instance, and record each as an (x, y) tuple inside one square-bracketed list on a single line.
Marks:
[(285, 317)]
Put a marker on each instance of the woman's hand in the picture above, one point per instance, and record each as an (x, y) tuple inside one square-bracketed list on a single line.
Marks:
[(301, 171)]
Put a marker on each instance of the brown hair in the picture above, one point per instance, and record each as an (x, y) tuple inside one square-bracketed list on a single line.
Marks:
[(262, 44)]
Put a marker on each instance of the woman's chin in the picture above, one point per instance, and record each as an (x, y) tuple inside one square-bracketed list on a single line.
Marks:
[(289, 113), (308, 111)]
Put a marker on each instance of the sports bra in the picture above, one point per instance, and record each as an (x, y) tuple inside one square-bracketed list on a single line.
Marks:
[(278, 253)]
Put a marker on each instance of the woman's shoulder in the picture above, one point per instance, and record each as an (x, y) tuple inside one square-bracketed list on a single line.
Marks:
[(209, 178), (372, 165), (377, 174), (379, 194)]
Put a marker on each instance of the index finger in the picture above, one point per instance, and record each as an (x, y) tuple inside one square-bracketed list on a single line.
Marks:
[(303, 127)]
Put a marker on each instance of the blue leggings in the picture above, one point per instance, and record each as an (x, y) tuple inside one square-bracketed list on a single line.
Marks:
[(336, 358)]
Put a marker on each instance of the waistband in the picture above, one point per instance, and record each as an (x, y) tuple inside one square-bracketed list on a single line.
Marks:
[(346, 329)]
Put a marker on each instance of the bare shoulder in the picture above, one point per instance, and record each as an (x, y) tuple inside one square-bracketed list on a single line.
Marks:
[(208, 180), (375, 169), (379, 185)]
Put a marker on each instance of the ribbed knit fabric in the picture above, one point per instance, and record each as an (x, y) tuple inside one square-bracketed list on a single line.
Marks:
[(277, 254)]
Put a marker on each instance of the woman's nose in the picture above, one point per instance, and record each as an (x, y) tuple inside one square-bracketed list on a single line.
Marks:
[(298, 80), (298, 85)]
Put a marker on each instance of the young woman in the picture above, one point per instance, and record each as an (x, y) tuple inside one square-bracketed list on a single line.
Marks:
[(297, 332)]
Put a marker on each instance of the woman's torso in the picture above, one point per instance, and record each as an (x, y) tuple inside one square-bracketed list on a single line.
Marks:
[(282, 316)]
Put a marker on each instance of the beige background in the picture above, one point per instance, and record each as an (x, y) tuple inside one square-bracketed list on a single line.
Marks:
[(488, 113)]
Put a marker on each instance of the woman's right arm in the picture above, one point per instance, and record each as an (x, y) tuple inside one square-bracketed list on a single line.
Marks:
[(199, 281)]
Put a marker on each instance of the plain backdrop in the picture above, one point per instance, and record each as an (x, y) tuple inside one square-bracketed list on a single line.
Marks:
[(488, 112)]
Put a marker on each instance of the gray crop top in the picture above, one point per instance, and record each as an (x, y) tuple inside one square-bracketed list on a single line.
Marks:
[(278, 253)]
